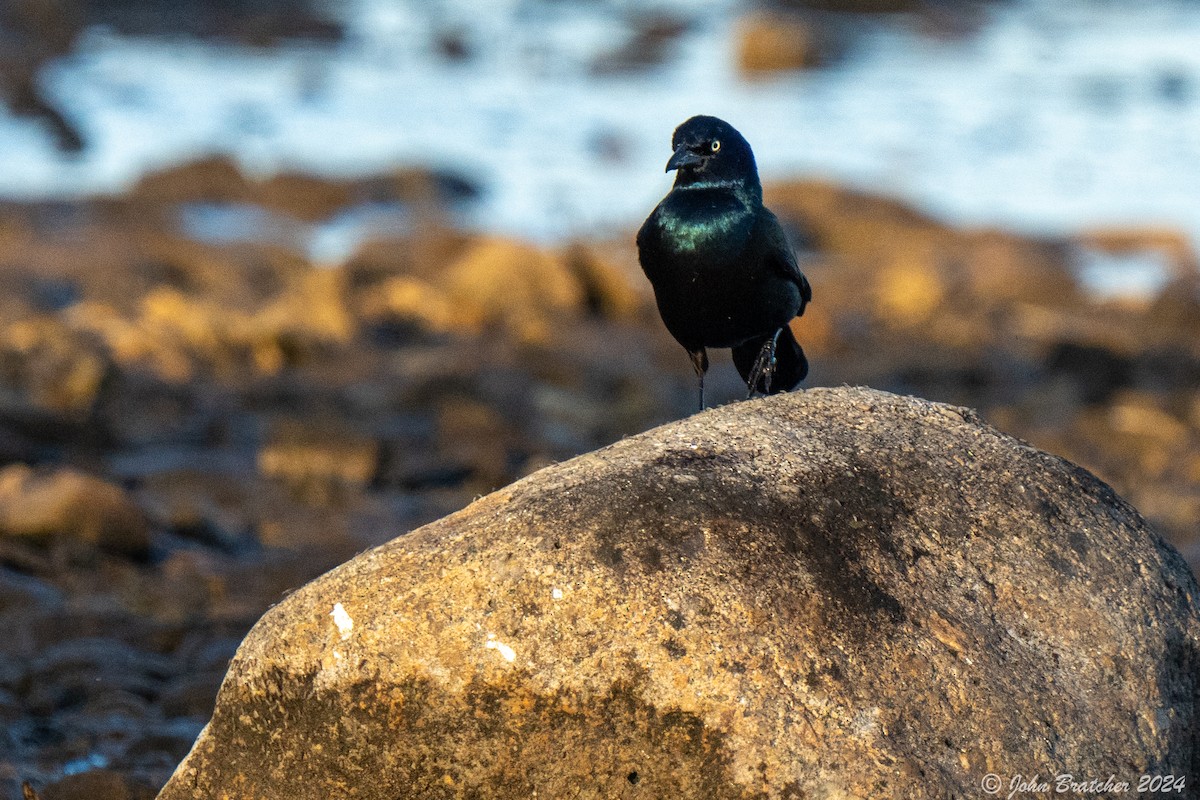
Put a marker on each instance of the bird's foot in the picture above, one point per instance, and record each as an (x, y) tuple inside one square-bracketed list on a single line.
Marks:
[(764, 367), (700, 364)]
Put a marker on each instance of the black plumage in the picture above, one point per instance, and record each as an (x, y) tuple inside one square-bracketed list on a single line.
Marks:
[(722, 270)]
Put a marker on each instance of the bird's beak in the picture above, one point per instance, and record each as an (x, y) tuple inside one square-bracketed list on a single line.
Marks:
[(683, 157)]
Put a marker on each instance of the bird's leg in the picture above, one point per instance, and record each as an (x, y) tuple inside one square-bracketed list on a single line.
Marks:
[(764, 366), (700, 364)]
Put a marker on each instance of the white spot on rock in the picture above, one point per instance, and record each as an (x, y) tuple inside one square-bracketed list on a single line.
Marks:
[(507, 652), (556, 593), (340, 618)]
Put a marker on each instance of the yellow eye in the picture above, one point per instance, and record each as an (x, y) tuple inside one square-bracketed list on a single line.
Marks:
[(716, 145)]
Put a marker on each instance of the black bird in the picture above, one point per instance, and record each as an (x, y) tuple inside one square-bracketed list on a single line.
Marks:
[(723, 272)]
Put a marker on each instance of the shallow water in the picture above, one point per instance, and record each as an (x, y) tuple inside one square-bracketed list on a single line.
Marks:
[(1054, 116)]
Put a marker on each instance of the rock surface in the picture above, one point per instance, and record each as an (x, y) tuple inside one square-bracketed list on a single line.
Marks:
[(840, 593)]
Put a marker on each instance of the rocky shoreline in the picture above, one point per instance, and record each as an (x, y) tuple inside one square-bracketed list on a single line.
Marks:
[(190, 430)]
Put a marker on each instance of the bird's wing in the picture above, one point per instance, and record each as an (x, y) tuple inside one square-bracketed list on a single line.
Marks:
[(778, 252), (648, 237)]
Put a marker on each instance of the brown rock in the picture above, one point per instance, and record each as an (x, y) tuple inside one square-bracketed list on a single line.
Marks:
[(305, 197), (214, 179), (408, 299), (909, 289), (131, 343), (518, 286), (496, 282), (38, 504), (181, 330), (425, 255), (238, 275), (50, 366), (115, 253), (1136, 414), (176, 332), (319, 458), (1002, 267), (770, 43), (849, 222), (609, 290), (422, 187), (231, 509), (840, 593), (958, 288), (310, 315), (310, 198)]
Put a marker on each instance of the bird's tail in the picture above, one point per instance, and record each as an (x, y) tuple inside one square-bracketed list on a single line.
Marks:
[(790, 364)]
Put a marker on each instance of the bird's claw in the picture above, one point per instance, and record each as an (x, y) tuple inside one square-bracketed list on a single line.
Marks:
[(764, 366), (700, 364)]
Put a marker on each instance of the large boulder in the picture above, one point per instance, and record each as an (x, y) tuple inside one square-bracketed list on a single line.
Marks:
[(834, 594)]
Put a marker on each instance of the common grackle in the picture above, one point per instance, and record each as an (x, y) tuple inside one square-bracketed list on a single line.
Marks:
[(722, 270)]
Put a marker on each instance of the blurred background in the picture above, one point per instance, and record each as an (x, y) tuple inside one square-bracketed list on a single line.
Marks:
[(283, 279)]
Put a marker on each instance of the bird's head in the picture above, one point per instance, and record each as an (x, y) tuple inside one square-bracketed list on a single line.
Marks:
[(711, 151)]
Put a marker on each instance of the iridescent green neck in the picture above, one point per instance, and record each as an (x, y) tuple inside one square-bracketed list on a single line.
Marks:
[(747, 190), (693, 222)]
